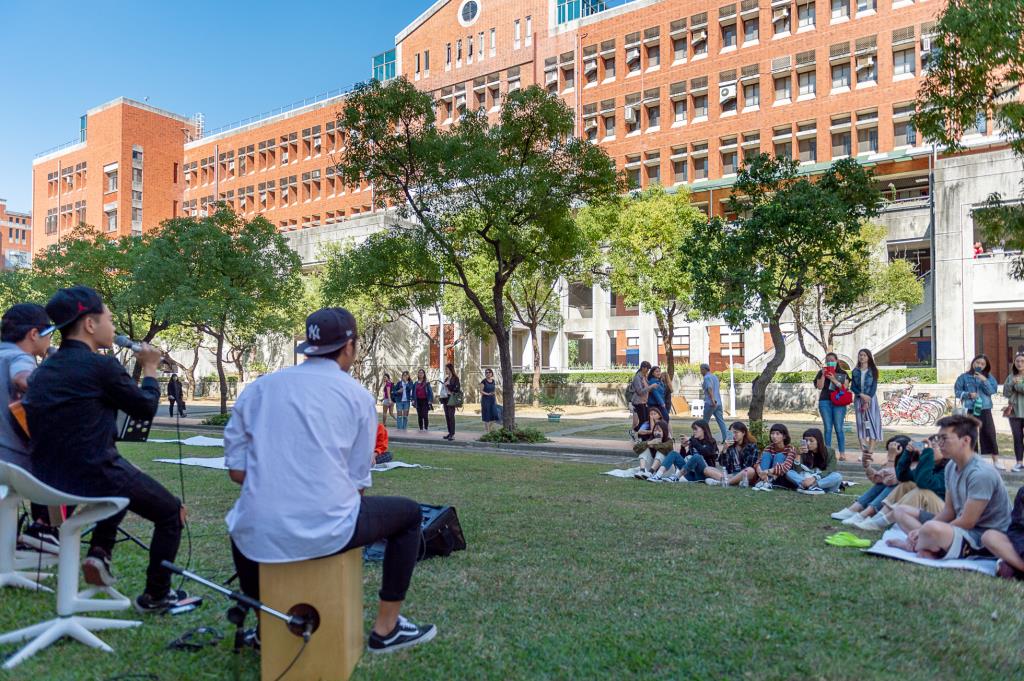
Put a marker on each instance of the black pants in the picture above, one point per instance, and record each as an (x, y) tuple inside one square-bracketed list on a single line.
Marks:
[(1017, 429), (181, 406), (449, 418), (149, 499), (988, 434), (423, 413), (396, 519), (643, 414)]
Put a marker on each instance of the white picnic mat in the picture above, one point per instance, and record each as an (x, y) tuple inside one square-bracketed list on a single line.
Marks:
[(621, 473), (217, 463), (197, 441), (983, 565)]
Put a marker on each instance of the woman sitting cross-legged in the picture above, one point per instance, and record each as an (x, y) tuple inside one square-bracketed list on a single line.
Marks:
[(776, 459), (696, 456), (740, 455), (814, 463), (921, 492), (883, 481), (655, 443)]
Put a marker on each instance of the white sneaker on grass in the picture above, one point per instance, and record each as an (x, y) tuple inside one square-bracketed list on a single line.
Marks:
[(654, 478), (672, 478), (711, 481), (843, 514), (876, 523), (854, 519), (813, 491)]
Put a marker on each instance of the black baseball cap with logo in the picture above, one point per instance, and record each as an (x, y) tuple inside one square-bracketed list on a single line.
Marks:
[(24, 317), (327, 330), (69, 304)]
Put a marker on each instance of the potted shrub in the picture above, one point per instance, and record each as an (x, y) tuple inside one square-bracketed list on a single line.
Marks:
[(553, 406)]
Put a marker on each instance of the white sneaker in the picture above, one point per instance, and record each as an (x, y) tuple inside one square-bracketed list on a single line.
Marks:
[(876, 523), (642, 474), (813, 491), (711, 481), (854, 519), (843, 514), (1018, 468), (654, 478), (672, 478)]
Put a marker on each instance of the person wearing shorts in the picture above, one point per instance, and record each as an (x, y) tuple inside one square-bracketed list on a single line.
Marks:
[(976, 499)]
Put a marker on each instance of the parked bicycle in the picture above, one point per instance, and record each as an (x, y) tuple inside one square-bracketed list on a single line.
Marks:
[(903, 406)]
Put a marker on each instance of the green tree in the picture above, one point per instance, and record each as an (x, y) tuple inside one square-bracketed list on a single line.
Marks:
[(501, 191), (975, 71), (790, 234), (238, 279), (18, 286), (646, 239), (535, 298), (822, 315)]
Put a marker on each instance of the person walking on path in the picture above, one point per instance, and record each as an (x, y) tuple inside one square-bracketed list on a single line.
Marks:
[(639, 392), (387, 404), (453, 399), (175, 395), (975, 388), (424, 396), (832, 377), (712, 390), (1013, 391), (489, 401), (865, 392)]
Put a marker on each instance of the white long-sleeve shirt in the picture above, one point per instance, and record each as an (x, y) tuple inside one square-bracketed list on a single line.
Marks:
[(304, 436)]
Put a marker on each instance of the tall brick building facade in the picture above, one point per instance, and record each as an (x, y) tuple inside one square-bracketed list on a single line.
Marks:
[(15, 238), (678, 92)]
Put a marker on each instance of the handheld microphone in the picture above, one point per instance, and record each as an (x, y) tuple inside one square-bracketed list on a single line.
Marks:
[(123, 341)]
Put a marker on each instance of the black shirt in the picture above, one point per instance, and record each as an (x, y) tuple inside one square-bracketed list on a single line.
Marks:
[(72, 406), (826, 391)]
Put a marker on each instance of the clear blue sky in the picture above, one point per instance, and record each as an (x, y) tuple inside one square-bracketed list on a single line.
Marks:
[(229, 60)]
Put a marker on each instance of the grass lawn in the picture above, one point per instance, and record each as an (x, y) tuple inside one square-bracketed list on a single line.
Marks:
[(573, 575)]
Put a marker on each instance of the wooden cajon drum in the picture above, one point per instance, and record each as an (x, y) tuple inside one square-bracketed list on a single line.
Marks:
[(332, 585)]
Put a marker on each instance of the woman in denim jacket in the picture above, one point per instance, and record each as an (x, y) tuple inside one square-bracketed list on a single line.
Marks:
[(975, 388), (865, 391)]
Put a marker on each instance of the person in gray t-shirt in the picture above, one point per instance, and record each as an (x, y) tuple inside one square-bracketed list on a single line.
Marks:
[(976, 499), (24, 335)]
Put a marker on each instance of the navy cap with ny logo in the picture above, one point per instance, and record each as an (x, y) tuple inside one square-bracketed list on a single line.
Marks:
[(327, 330)]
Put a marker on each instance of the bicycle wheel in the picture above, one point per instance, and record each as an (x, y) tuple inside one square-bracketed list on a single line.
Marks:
[(887, 416), (921, 416)]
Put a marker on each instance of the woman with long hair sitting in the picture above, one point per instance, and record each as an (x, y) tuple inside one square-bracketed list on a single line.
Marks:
[(696, 456), (817, 463), (740, 454), (776, 459)]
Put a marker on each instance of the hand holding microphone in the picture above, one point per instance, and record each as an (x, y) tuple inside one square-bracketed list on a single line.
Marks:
[(148, 356)]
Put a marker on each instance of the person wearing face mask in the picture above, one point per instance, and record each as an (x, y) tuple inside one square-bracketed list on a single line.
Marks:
[(829, 378), (974, 388), (1013, 390), (300, 443)]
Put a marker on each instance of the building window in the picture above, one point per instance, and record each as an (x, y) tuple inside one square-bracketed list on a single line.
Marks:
[(840, 10), (751, 30), (111, 180), (980, 126), (700, 41), (807, 83), (653, 116), (494, 43), (384, 66), (728, 35), (904, 134), (866, 6), (517, 32), (780, 20), (609, 125), (653, 56), (448, 56), (783, 89), (700, 168), (679, 111), (458, 52), (529, 31), (111, 216), (700, 106), (751, 95), (867, 140), (609, 67), (904, 62), (679, 48), (805, 14), (426, 62), (841, 76), (729, 161), (808, 150)]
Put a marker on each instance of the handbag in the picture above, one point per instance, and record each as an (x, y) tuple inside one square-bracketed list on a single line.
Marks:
[(841, 397), (442, 391), (455, 400)]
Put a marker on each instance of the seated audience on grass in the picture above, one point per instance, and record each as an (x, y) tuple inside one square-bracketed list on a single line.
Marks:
[(696, 456), (1008, 546), (776, 460), (921, 487), (810, 473), (976, 499), (655, 443), (882, 479), (656, 397), (741, 453)]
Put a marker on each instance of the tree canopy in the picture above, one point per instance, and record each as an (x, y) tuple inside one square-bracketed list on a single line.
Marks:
[(500, 190)]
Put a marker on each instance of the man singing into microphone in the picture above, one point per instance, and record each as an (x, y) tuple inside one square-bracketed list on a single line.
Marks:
[(299, 442), (72, 406)]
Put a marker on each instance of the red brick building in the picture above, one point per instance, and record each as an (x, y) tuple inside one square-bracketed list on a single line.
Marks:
[(15, 237)]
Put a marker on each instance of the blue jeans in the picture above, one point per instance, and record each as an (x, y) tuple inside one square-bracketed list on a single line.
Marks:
[(832, 417), (829, 483), (875, 496), (768, 460), (673, 459), (719, 416), (694, 467)]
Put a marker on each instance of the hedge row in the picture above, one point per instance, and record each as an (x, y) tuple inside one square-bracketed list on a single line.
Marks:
[(923, 375)]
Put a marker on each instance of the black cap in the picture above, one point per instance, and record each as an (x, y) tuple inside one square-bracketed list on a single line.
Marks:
[(68, 304), (24, 317), (327, 330)]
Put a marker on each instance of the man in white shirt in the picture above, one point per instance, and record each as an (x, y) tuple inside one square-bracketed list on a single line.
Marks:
[(300, 442)]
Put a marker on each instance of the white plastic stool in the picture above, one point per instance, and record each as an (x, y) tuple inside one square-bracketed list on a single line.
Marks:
[(17, 568), (69, 600)]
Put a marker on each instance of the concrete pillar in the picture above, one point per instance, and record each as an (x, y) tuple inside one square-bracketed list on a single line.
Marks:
[(648, 327), (953, 326), (753, 341), (698, 342), (602, 346)]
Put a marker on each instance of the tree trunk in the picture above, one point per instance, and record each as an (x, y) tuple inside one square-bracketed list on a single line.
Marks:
[(221, 375), (190, 371), (508, 388), (536, 365), (760, 385)]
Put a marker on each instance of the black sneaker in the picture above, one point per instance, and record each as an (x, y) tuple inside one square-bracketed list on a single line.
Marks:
[(40, 537), (147, 603), (96, 569), (404, 635)]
